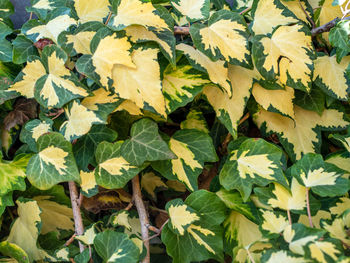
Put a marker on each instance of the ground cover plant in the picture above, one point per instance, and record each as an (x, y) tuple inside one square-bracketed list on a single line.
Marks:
[(175, 131)]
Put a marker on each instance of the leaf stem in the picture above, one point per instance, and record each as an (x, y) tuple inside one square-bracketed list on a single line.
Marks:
[(250, 256), (141, 210), (308, 206), (289, 217), (245, 10), (159, 231), (108, 18), (78, 220)]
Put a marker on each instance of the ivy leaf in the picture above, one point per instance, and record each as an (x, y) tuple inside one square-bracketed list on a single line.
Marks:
[(269, 15), (151, 183), (286, 256), (59, 20), (323, 178), (339, 38), (340, 159), (113, 171), (89, 235), (14, 251), (5, 201), (80, 121), (337, 229), (145, 144), (280, 101), (22, 49), (229, 110), (202, 239), (94, 10), (335, 80), (226, 36), (33, 130), (12, 174), (137, 12), (5, 50), (193, 10), (142, 85), (181, 85), (255, 162), (301, 9), (302, 135), (84, 148), (344, 139), (192, 148), (287, 54), (52, 84), (53, 164), (195, 120), (217, 71), (116, 247), (88, 184), (312, 101), (104, 44), (42, 7), (273, 223), (26, 229), (5, 30), (165, 39)]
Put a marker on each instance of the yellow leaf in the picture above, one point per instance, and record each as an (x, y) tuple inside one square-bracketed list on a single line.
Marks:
[(136, 12), (53, 28), (80, 121), (54, 216), (226, 36), (300, 133), (54, 156), (100, 96), (321, 214), (149, 182), (242, 81), (137, 33), (91, 10), (340, 161), (280, 100), (299, 12), (217, 71), (41, 129), (81, 41), (31, 73), (195, 120), (88, 181), (176, 185), (288, 52), (89, 235), (185, 156), (180, 217), (42, 4), (190, 8), (268, 16), (318, 250), (296, 200), (282, 256), (141, 85), (297, 245), (341, 206), (111, 51), (130, 107), (337, 229), (122, 219), (319, 177), (273, 223), (332, 76)]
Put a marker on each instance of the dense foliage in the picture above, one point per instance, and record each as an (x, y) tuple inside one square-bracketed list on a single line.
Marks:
[(232, 118)]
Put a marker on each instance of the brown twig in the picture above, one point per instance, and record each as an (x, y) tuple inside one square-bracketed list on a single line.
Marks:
[(326, 27), (250, 256), (158, 231), (30, 15), (289, 217), (157, 209), (141, 210), (181, 30), (78, 221), (108, 18), (70, 240), (130, 205), (307, 15), (245, 10), (308, 207)]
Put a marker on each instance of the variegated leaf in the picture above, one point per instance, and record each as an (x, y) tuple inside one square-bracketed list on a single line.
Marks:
[(113, 171), (192, 148), (255, 162), (91, 10), (193, 10), (151, 183), (287, 55), (54, 162), (226, 36), (33, 130), (88, 183), (195, 120), (302, 135)]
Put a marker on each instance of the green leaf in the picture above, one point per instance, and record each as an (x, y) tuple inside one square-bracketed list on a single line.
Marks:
[(5, 30), (84, 148), (181, 85), (14, 251), (323, 178), (201, 239), (5, 201), (255, 162), (5, 50), (116, 247), (193, 10), (312, 101), (226, 37), (113, 171), (339, 38), (53, 164), (344, 139), (145, 144), (22, 49), (192, 148)]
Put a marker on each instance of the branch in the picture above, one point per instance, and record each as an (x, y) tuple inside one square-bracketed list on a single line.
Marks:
[(141, 210), (327, 27), (181, 30), (78, 221)]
